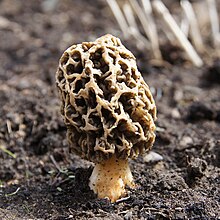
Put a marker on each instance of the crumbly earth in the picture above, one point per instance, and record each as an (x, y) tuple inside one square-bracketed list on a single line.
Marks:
[(40, 180), (105, 103)]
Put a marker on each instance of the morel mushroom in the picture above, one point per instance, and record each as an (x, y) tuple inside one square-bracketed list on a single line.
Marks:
[(108, 110)]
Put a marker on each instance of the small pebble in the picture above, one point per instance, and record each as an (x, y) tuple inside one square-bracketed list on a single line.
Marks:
[(128, 215), (152, 157), (186, 140), (175, 113), (49, 5)]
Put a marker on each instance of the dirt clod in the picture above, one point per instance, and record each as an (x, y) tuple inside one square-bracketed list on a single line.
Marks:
[(212, 75), (198, 111), (195, 170)]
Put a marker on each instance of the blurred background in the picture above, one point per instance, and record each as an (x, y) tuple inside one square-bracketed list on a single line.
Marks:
[(176, 44)]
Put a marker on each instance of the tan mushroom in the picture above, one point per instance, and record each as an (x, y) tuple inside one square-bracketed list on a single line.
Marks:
[(108, 110)]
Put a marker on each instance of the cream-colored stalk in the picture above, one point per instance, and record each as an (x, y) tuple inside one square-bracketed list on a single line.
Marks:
[(109, 178)]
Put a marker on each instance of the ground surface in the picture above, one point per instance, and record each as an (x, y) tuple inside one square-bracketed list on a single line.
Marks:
[(39, 180)]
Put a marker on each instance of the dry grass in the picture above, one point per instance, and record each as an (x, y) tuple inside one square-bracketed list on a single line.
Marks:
[(186, 28)]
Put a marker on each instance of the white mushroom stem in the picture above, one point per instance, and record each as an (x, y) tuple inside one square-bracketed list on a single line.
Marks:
[(109, 178)]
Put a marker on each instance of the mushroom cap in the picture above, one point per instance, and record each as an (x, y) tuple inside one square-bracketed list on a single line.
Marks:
[(106, 104)]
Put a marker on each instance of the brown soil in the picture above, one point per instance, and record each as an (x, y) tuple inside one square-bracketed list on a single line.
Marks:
[(43, 181)]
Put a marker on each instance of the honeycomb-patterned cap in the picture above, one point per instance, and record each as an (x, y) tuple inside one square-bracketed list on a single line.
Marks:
[(106, 105)]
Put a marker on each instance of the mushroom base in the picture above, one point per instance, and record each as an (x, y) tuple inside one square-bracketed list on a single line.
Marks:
[(109, 178)]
